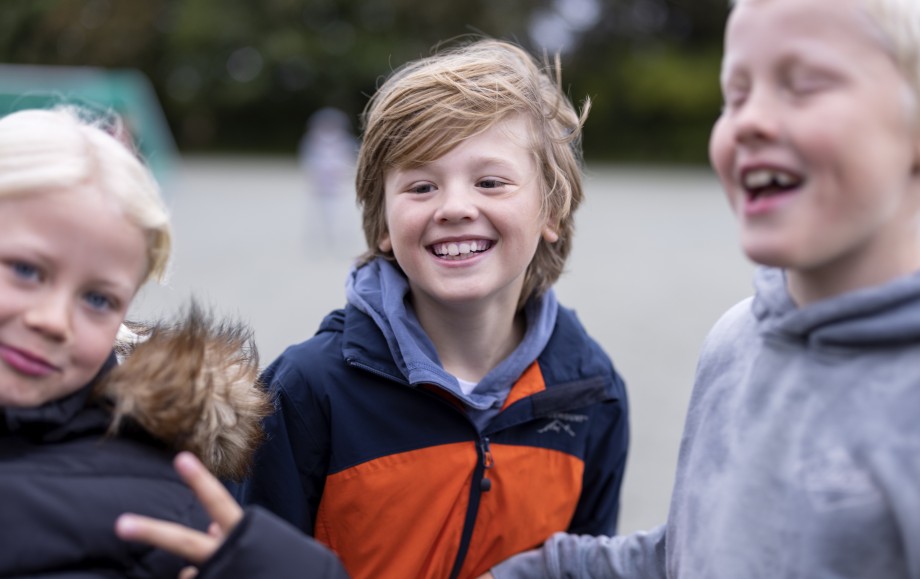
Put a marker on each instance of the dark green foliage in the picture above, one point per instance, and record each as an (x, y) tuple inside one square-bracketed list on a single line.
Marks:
[(244, 76)]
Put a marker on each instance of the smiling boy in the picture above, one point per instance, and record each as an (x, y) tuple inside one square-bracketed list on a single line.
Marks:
[(414, 433), (801, 450)]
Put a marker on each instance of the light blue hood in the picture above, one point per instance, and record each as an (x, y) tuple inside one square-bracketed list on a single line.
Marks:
[(380, 290)]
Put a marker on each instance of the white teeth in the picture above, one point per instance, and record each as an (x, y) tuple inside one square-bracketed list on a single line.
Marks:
[(459, 248), (762, 178), (757, 179), (784, 179)]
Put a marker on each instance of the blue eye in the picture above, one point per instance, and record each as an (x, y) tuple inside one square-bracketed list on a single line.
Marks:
[(490, 183), (423, 188), (25, 271), (99, 301)]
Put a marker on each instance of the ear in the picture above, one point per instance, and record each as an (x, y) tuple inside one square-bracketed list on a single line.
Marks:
[(384, 244), (550, 234)]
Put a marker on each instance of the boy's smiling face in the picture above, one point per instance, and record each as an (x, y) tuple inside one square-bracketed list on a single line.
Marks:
[(465, 227), (70, 263), (817, 146)]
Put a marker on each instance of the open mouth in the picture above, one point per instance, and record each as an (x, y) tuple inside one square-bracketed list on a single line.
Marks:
[(460, 249), (759, 183)]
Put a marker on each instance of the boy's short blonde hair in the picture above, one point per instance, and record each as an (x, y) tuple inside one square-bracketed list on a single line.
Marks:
[(431, 105), (53, 150)]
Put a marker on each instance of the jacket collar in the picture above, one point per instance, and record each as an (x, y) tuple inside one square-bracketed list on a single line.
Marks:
[(56, 419), (379, 290)]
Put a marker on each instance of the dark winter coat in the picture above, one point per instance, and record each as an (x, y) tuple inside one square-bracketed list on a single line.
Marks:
[(69, 468)]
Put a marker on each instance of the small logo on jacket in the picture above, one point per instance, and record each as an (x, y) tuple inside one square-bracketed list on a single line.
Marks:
[(562, 422)]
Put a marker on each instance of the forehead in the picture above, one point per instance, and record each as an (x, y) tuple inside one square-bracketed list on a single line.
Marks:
[(80, 229), (802, 15), (808, 28)]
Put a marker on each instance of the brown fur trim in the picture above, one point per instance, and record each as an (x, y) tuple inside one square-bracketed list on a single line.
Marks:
[(193, 385)]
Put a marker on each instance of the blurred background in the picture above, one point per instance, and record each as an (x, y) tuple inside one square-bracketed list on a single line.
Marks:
[(241, 76), (219, 94)]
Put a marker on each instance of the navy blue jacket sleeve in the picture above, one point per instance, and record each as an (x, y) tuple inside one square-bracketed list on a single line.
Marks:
[(289, 469), (599, 505), (264, 546)]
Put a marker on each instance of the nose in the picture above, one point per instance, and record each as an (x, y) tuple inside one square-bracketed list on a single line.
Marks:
[(51, 316), (756, 119), (456, 203)]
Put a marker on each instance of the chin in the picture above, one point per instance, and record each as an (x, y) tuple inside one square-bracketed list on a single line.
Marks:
[(768, 255)]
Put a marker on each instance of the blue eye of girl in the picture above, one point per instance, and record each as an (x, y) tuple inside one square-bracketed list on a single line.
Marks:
[(25, 270), (99, 301)]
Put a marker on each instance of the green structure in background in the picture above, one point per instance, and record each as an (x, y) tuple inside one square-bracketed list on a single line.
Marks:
[(126, 92)]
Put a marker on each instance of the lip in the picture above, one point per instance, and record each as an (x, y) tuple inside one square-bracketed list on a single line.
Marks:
[(26, 363)]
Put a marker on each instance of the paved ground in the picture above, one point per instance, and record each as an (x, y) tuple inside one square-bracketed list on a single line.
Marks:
[(655, 263)]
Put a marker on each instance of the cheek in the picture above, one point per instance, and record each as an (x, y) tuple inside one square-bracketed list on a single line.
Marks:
[(720, 148), (721, 156), (94, 348)]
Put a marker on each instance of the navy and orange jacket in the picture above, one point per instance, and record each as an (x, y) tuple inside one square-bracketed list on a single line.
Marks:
[(398, 480)]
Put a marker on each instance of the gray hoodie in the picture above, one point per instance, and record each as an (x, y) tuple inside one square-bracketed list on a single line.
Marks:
[(801, 450)]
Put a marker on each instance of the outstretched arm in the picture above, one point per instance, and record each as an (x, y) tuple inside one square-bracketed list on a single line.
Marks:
[(192, 545), (250, 543)]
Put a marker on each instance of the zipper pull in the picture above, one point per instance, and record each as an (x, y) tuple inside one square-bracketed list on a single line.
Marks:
[(487, 462)]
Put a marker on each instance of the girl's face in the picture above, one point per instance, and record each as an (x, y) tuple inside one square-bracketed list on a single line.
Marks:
[(817, 146), (70, 264)]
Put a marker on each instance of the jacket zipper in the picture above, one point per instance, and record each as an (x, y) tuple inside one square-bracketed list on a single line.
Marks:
[(486, 461)]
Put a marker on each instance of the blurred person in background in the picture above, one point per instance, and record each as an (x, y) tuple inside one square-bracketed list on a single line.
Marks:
[(327, 154)]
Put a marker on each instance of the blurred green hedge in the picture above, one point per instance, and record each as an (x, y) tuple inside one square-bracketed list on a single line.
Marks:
[(235, 75)]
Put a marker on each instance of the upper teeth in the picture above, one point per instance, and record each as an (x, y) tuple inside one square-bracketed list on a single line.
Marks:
[(456, 248), (764, 177)]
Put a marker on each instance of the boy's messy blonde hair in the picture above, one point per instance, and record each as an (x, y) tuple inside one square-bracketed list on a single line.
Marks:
[(431, 105), (53, 150), (897, 23)]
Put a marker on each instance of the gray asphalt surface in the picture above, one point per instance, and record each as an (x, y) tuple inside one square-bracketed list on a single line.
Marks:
[(655, 262)]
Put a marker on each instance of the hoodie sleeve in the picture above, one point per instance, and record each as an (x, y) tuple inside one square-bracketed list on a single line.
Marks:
[(264, 546), (564, 556)]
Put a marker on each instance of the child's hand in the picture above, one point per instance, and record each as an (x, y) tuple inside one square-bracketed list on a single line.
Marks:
[(487, 575), (192, 545)]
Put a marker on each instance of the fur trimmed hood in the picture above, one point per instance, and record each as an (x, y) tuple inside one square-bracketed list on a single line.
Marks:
[(193, 384)]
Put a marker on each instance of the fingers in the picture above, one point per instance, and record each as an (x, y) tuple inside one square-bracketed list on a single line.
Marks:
[(188, 573), (187, 543), (219, 503)]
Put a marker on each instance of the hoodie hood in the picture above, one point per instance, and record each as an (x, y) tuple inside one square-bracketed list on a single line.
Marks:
[(878, 316), (380, 290), (193, 385)]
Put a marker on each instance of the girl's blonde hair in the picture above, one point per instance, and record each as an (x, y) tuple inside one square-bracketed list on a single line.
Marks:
[(431, 105), (60, 149)]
